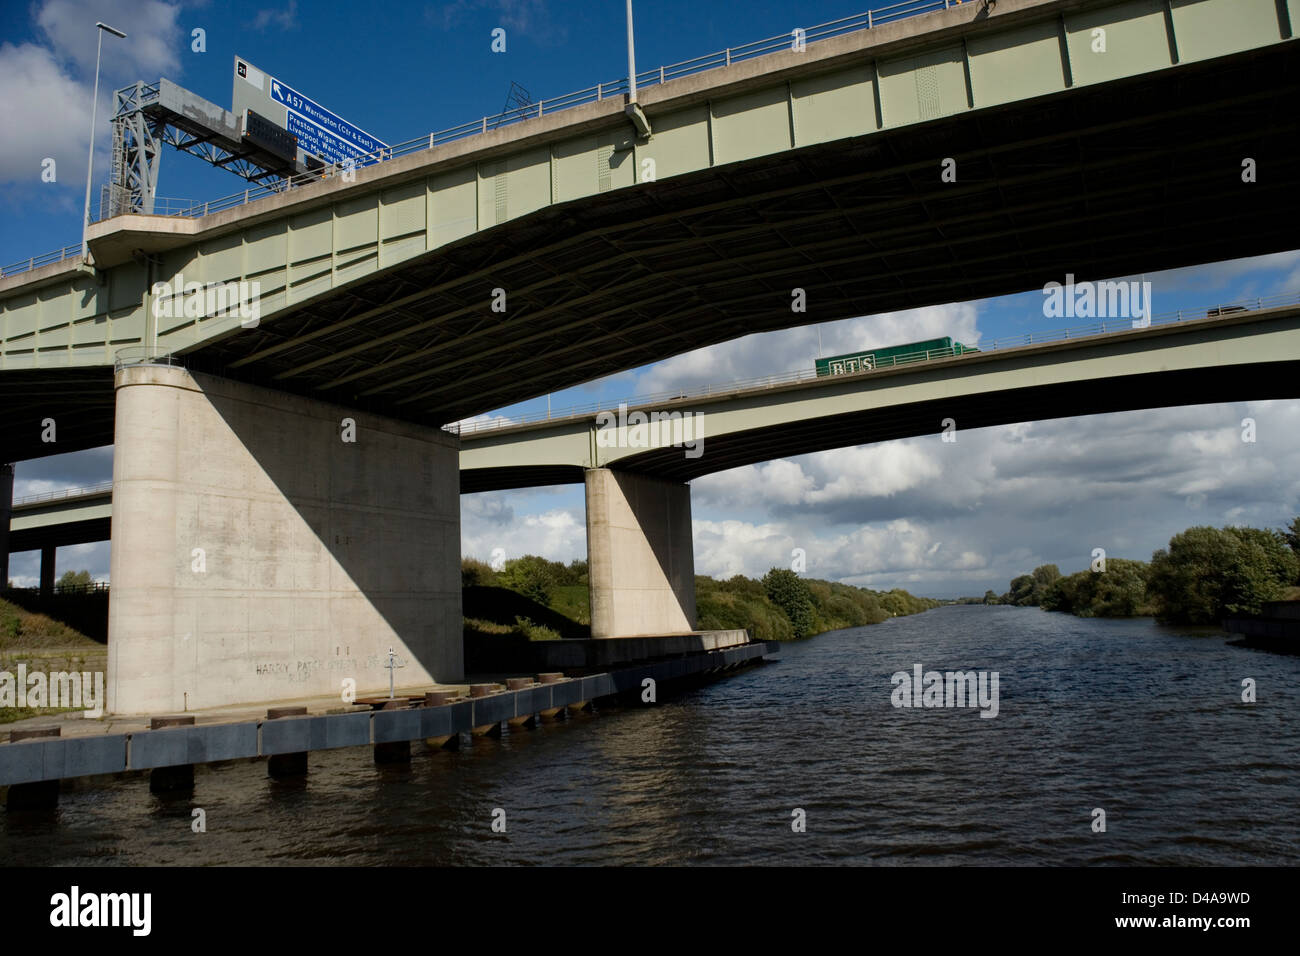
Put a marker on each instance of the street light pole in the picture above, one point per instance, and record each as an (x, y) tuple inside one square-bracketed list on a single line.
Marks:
[(633, 108), (631, 58), (94, 102)]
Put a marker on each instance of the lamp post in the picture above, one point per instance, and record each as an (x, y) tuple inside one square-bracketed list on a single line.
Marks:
[(631, 58), (99, 47), (633, 108)]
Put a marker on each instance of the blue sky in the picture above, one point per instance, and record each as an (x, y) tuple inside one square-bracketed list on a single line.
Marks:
[(877, 515)]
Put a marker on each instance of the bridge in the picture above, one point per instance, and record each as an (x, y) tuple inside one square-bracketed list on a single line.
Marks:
[(290, 493), (636, 457), (46, 522)]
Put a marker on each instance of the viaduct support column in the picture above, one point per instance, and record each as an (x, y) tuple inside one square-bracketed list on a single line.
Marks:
[(6, 506), (267, 547), (641, 565), (47, 569)]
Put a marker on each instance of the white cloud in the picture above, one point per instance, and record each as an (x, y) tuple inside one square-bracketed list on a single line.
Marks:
[(478, 420), (48, 86), (957, 518), (529, 18), (725, 548), (1214, 274), (286, 19), (773, 353), (55, 110), (488, 522), (868, 471), (781, 482), (152, 44)]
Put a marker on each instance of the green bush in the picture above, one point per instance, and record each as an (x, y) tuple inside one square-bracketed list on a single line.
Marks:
[(722, 611), (576, 573), (1205, 575), (532, 576), (502, 606), (1030, 590), (1119, 591), (1292, 537), (535, 632), (74, 579), (790, 593), (1209, 573), (476, 573), (573, 601)]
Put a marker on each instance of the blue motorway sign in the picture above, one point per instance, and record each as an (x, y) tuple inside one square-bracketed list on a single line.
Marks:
[(323, 134)]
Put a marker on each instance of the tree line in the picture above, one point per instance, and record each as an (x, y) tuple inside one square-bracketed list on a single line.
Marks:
[(784, 606), (1205, 575), (781, 606)]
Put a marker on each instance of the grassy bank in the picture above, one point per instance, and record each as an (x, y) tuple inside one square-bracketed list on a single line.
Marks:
[(43, 645)]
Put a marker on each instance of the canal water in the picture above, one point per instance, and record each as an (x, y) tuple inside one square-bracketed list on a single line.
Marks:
[(1144, 722)]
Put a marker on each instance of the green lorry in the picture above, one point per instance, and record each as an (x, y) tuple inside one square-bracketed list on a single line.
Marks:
[(893, 355)]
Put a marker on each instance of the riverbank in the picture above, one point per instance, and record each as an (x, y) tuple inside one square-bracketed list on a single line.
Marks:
[(537, 599)]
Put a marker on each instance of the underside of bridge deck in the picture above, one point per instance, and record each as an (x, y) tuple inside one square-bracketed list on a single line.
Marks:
[(1131, 176), (1138, 175)]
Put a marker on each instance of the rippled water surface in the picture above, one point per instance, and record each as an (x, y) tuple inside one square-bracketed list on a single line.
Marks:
[(1144, 722)]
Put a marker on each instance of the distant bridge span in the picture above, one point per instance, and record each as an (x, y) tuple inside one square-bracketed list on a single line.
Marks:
[(1240, 357)]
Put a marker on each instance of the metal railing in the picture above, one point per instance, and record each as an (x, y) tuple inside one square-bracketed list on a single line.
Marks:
[(144, 355), (592, 94), (33, 262), (1106, 327), (63, 494), (95, 587)]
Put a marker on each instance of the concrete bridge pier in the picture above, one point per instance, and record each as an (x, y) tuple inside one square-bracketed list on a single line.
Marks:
[(393, 751), (639, 554), (39, 794), (294, 763), (6, 504), (171, 778), (268, 546), (47, 569)]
